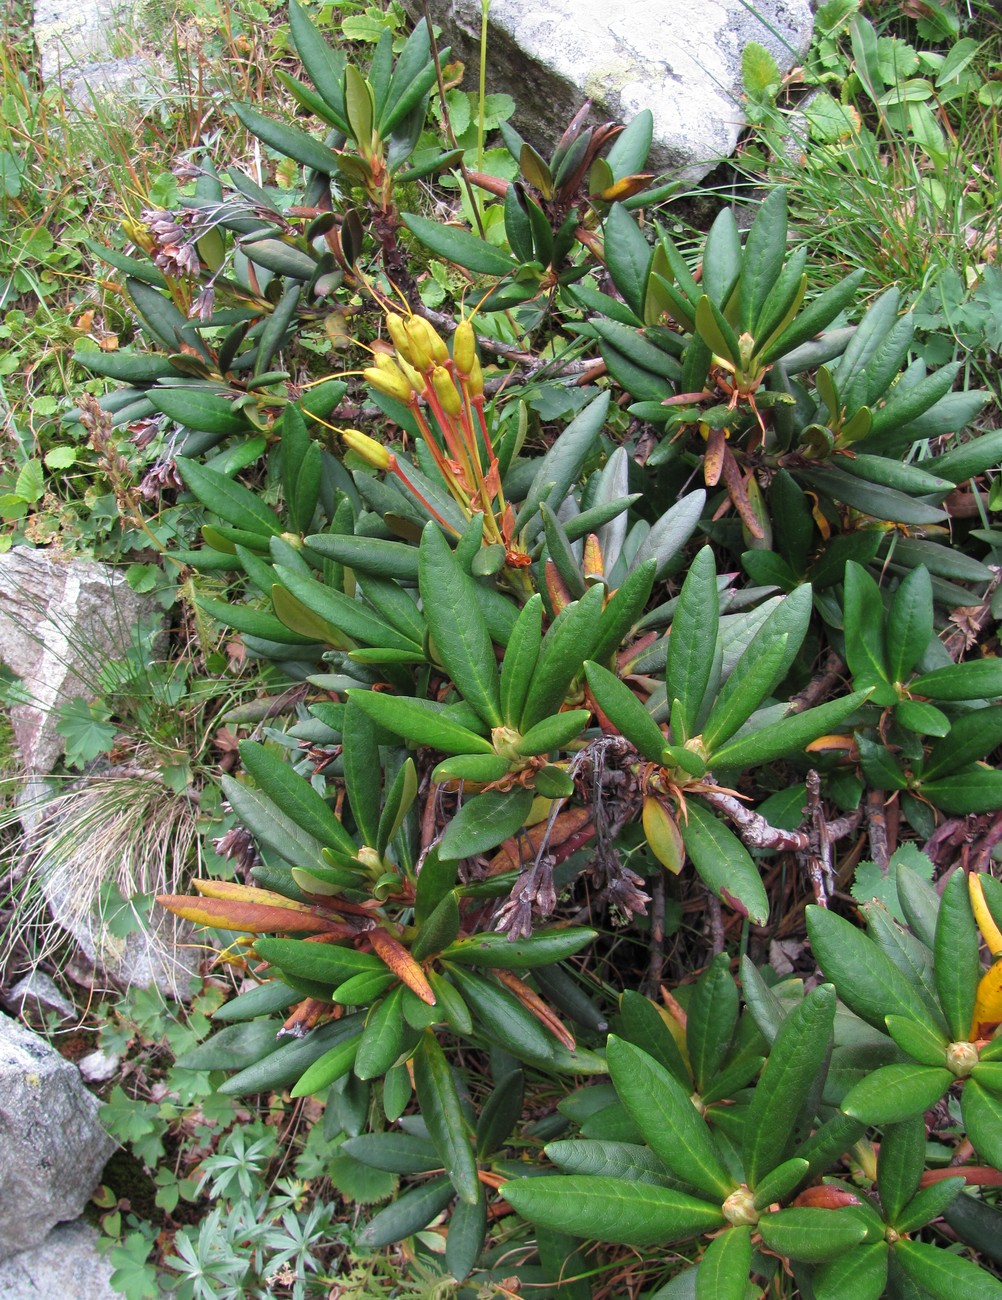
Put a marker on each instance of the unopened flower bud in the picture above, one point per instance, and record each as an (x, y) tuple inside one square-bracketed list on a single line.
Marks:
[(433, 341), (464, 347), (419, 354), (445, 391), (371, 451), (475, 379), (397, 328), (415, 380), (390, 382)]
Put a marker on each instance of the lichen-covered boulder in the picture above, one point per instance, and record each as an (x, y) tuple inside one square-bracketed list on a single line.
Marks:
[(52, 1146), (679, 58), (60, 619)]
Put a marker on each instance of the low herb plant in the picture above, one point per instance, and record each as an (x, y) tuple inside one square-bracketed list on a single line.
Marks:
[(562, 659)]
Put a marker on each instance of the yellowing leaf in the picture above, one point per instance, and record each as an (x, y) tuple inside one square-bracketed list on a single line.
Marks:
[(663, 835)]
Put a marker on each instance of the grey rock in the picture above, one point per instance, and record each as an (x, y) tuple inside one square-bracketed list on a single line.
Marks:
[(153, 954), (98, 1067), (74, 40), (37, 993), (66, 1264), (59, 619), (680, 60), (52, 1146)]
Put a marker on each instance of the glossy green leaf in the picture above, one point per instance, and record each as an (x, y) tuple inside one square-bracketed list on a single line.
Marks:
[(896, 1092), (289, 140), (928, 1204), (612, 1159), (723, 1270), (811, 1236), (900, 1164), (322, 963), (295, 797), (909, 624), (623, 611), (972, 736), (362, 770), (455, 1010), (520, 658), (628, 256), (363, 989), (721, 257), (797, 1057), (562, 464), (350, 617), (232, 502), (974, 789), (671, 1125), (439, 930), (383, 1037), (724, 864), (466, 1236), (779, 1184), (922, 1041), (554, 732), (788, 736), (745, 689), (324, 65), (368, 554), (626, 712), (419, 722), (974, 680), (333, 1065), (484, 821), (565, 647), (866, 980), (957, 967), (501, 1112), (504, 1020), (396, 1153), (982, 1108), (864, 628), (939, 1273), (693, 639), (762, 263), (284, 1066), (641, 1023), (459, 246), (407, 1214), (497, 951), (397, 804), (460, 632), (711, 1018), (871, 498), (632, 1214), (236, 1046), (715, 332), (860, 1273), (442, 1111)]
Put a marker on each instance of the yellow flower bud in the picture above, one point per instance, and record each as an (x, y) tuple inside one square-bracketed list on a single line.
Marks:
[(416, 381), (445, 391), (464, 347), (418, 354), (398, 333), (390, 382), (475, 379), (433, 341), (371, 451)]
